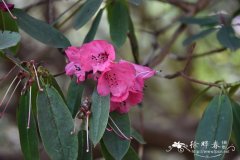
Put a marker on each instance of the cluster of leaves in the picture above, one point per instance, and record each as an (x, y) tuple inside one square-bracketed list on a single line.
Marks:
[(219, 24), (52, 115)]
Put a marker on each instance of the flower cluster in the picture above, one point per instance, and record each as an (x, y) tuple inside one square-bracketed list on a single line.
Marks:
[(123, 80)]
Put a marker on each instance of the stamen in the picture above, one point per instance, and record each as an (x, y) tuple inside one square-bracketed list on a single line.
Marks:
[(87, 118), (4, 97), (14, 17), (148, 72), (4, 77), (119, 134), (10, 98), (35, 71), (29, 107), (122, 134), (74, 122)]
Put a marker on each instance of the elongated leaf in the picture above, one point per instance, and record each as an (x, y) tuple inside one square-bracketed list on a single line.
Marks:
[(214, 127), (28, 137), (74, 95), (92, 32), (40, 30), (130, 155), (86, 12), (99, 117), (8, 39), (136, 2), (82, 147), (9, 24), (227, 38), (202, 21), (117, 146), (55, 125), (197, 36), (137, 136), (118, 18), (236, 124)]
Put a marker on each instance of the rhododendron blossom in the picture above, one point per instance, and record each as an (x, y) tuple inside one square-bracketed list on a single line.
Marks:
[(117, 80), (90, 57), (4, 7), (123, 80)]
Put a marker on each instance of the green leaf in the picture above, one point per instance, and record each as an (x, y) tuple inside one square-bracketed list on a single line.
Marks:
[(92, 32), (118, 18), (202, 21), (53, 82), (133, 41), (135, 2), (236, 124), (40, 30), (9, 24), (28, 137), (55, 125), (130, 155), (215, 126), (115, 145), (99, 116), (74, 95), (137, 136), (86, 12), (227, 38), (82, 154), (8, 39), (197, 36)]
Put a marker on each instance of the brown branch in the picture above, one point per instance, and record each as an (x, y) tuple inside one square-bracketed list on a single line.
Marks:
[(200, 5), (183, 58)]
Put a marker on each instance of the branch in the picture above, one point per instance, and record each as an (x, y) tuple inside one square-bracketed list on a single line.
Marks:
[(183, 58), (200, 5), (37, 4)]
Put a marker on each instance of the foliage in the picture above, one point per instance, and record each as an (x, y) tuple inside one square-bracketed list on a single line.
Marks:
[(45, 116)]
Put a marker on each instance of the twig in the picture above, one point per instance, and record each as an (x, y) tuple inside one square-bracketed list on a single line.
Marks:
[(59, 74), (183, 58)]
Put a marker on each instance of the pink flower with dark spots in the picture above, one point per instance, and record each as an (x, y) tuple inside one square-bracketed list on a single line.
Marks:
[(117, 80), (73, 68), (4, 8), (133, 99), (97, 55)]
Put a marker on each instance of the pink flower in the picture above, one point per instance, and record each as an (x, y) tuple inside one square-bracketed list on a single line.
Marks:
[(123, 107), (97, 55), (117, 80), (76, 69), (142, 72)]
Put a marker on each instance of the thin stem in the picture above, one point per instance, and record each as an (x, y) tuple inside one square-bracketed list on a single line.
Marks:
[(4, 97), (74, 123), (87, 118), (10, 98), (29, 107), (14, 17), (4, 77), (69, 17), (62, 14), (59, 74), (198, 81), (36, 74)]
